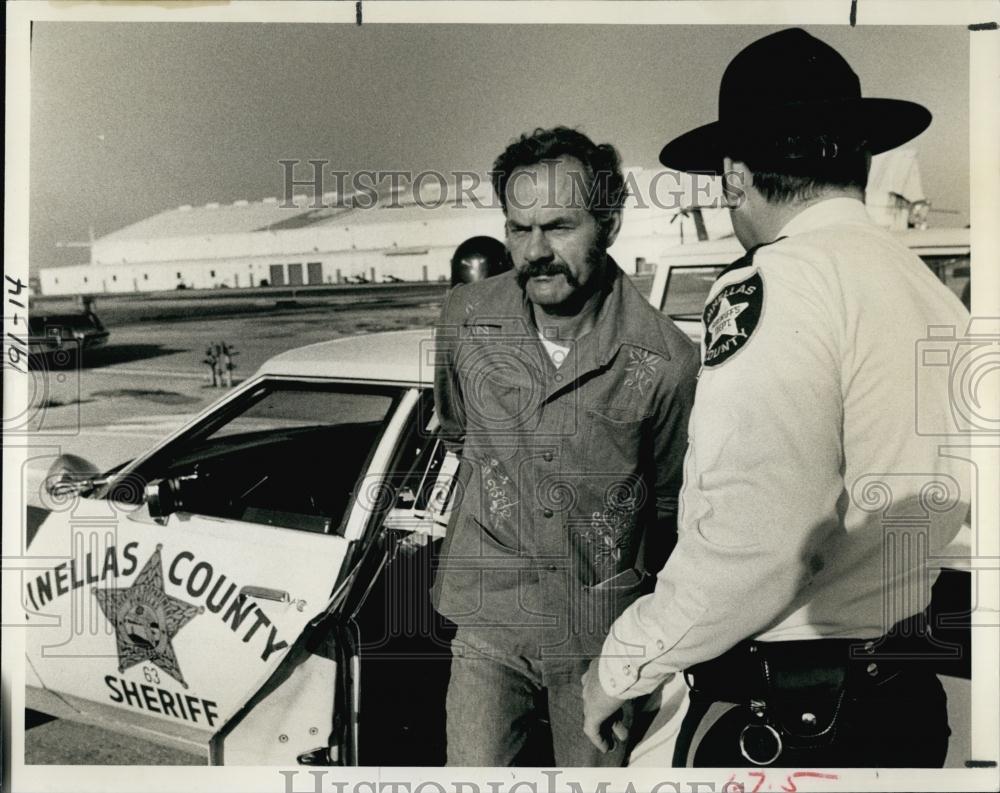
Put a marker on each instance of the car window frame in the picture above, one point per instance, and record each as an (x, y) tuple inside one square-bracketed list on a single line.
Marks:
[(219, 413)]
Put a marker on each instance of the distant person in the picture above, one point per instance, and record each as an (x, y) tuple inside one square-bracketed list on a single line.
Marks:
[(478, 258)]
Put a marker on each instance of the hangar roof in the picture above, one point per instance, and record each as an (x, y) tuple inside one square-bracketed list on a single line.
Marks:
[(275, 215)]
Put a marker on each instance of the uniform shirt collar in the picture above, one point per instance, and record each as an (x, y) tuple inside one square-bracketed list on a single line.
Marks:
[(830, 212)]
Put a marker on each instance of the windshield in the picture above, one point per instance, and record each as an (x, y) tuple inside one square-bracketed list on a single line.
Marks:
[(687, 290), (284, 453)]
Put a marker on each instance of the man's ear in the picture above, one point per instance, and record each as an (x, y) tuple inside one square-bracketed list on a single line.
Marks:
[(612, 226), (736, 181)]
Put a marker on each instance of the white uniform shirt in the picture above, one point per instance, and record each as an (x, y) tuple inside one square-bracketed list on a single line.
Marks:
[(809, 498)]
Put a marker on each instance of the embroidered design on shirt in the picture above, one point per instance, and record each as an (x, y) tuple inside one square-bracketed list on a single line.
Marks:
[(730, 318), (496, 483), (608, 532), (639, 370)]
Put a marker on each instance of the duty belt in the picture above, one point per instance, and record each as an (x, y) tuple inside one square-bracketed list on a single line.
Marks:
[(795, 690)]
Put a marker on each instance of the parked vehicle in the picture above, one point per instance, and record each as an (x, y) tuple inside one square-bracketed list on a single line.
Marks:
[(685, 273), (70, 332)]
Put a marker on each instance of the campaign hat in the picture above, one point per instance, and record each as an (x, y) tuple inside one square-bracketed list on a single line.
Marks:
[(790, 97)]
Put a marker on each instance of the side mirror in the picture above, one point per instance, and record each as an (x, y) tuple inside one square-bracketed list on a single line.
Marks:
[(71, 474)]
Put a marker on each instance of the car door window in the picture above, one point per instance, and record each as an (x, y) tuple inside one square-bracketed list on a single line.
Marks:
[(286, 453)]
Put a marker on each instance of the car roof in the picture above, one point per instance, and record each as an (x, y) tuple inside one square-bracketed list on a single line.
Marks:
[(402, 356), (727, 249)]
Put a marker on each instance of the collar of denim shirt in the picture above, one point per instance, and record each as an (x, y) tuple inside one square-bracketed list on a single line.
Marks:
[(624, 318)]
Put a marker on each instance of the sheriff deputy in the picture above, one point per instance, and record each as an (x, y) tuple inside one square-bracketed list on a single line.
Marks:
[(810, 505)]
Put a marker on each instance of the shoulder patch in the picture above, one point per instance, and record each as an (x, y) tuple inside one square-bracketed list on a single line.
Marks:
[(731, 317)]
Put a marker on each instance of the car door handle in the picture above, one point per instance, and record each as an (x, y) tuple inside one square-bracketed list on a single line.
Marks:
[(265, 593)]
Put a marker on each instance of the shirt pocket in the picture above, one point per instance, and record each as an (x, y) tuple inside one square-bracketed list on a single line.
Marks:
[(614, 440), (602, 603), (615, 494)]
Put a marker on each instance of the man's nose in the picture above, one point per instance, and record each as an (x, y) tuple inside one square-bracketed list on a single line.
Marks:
[(538, 249)]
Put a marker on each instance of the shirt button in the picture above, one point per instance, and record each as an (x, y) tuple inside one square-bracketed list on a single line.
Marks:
[(659, 644), (558, 378), (548, 513), (872, 669), (547, 457)]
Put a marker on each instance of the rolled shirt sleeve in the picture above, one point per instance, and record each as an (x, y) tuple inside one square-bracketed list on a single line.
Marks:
[(763, 477)]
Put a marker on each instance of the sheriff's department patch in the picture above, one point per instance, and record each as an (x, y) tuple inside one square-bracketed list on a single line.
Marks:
[(731, 317)]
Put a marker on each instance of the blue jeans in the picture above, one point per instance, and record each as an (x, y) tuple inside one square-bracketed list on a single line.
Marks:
[(498, 704)]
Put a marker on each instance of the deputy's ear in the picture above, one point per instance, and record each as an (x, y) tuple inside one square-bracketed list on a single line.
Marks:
[(612, 225), (736, 179)]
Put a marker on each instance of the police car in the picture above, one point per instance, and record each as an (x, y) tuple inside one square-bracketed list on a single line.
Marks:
[(255, 587), (253, 584), (686, 272)]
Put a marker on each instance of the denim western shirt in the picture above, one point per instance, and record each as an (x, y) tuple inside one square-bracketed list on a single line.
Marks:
[(570, 475)]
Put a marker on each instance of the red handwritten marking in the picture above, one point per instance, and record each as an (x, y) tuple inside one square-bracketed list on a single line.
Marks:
[(788, 787), (791, 786)]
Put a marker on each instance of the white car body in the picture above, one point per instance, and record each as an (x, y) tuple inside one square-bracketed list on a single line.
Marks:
[(238, 683), (686, 272)]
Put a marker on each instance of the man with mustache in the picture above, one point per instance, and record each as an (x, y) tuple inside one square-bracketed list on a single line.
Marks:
[(568, 397)]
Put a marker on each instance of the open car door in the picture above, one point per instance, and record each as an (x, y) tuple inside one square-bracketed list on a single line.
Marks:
[(170, 596)]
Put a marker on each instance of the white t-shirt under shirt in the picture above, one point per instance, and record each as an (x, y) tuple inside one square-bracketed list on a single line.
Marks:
[(557, 352)]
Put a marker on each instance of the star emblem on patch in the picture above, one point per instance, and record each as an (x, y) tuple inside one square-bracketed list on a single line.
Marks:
[(730, 317), (146, 619)]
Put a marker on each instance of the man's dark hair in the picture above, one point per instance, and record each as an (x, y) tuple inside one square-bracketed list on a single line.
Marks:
[(604, 189), (801, 168)]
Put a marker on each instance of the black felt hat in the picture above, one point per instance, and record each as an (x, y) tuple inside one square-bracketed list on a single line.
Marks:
[(788, 97)]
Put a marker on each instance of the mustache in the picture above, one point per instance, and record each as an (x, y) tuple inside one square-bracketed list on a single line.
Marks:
[(551, 269)]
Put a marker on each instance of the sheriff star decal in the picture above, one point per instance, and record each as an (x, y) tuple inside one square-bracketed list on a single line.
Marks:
[(145, 619), (731, 317)]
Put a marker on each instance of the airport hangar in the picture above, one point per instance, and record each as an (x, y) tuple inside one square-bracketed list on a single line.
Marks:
[(305, 242)]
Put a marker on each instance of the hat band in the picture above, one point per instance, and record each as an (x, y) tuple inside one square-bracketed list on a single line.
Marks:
[(804, 147)]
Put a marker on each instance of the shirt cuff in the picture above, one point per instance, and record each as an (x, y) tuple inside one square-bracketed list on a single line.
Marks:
[(631, 663)]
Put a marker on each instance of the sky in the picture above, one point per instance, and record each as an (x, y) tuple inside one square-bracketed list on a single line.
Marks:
[(130, 119)]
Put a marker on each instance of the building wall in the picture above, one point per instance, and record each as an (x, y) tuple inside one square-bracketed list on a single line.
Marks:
[(429, 264), (413, 250)]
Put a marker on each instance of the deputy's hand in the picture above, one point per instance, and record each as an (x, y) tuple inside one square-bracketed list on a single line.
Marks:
[(602, 714)]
